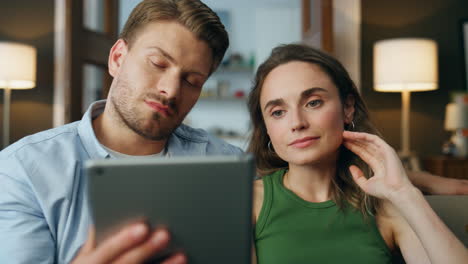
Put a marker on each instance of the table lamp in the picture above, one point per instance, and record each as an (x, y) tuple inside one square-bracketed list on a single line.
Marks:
[(17, 71), (456, 120), (405, 65)]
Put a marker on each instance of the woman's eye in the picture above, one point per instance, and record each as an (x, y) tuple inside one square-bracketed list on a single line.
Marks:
[(277, 113), (314, 103)]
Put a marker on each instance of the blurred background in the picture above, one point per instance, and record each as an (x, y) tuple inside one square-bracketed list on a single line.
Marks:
[(73, 38)]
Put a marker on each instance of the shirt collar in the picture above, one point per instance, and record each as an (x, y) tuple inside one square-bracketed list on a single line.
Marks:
[(86, 131), (182, 146), (181, 142)]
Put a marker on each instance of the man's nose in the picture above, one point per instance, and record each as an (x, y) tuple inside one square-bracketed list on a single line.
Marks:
[(169, 85)]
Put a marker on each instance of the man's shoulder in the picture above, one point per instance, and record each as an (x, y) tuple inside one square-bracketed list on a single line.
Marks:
[(43, 142), (214, 145)]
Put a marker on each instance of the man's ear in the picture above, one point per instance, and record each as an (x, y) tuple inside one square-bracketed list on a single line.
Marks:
[(116, 56), (349, 109)]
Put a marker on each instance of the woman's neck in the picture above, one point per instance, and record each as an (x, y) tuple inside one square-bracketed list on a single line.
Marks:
[(310, 182)]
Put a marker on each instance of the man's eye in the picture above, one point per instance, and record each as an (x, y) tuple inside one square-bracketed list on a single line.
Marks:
[(314, 103), (277, 113), (158, 65), (189, 83)]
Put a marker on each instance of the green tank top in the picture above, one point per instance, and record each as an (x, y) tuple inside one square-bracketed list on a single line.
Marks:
[(292, 230)]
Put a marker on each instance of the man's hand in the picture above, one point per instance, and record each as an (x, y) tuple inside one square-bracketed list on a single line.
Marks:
[(135, 243)]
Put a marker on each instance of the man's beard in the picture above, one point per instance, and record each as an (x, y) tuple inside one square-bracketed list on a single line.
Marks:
[(157, 127)]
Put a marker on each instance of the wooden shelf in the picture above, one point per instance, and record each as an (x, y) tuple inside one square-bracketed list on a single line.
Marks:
[(234, 70), (450, 167)]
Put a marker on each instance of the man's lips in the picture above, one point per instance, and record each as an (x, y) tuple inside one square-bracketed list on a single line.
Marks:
[(158, 107), (303, 142)]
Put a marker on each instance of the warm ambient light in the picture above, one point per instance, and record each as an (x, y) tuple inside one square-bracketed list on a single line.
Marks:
[(405, 65), (17, 71)]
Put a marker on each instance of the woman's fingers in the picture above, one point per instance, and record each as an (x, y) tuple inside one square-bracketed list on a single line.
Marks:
[(365, 153), (371, 141), (358, 177)]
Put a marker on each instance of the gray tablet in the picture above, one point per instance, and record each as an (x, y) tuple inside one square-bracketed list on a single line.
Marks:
[(206, 202)]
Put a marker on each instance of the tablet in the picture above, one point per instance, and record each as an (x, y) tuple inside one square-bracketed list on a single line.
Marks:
[(205, 202)]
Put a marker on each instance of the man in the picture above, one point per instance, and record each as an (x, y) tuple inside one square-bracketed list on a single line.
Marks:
[(166, 52)]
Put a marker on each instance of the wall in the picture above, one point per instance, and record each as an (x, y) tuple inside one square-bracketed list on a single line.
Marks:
[(347, 36), (30, 22), (435, 19)]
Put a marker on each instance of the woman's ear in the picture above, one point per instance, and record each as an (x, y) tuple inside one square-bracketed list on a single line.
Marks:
[(349, 109), (116, 56)]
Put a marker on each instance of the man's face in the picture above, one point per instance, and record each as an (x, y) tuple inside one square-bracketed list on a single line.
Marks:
[(158, 79)]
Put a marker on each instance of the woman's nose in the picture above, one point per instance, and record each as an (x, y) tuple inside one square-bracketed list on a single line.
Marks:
[(299, 121)]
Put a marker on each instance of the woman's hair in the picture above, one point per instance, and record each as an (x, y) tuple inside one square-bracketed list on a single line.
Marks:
[(197, 17), (344, 189)]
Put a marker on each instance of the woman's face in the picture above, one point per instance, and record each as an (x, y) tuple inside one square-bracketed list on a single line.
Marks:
[(303, 113)]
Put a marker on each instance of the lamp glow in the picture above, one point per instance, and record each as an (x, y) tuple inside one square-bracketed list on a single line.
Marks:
[(405, 65), (17, 71)]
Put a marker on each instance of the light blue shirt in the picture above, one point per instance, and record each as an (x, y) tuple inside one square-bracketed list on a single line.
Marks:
[(44, 208)]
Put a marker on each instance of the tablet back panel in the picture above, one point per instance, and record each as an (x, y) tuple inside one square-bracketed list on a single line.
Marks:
[(206, 202)]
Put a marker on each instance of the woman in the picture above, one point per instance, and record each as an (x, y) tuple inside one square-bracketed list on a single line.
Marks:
[(331, 190)]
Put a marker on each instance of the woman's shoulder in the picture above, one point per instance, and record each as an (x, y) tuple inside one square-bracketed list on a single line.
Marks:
[(258, 194), (259, 191)]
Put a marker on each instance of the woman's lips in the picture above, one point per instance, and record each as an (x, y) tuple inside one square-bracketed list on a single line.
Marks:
[(304, 142)]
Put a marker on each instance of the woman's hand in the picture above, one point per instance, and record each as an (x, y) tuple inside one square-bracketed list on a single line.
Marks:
[(391, 182), (389, 178)]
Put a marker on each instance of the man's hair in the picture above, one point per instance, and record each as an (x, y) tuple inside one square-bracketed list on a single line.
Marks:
[(197, 17), (344, 189)]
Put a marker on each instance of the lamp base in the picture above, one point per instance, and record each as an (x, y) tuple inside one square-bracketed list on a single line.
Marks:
[(410, 161)]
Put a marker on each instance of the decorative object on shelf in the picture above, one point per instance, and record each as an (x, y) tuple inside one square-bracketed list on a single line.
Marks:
[(17, 71), (239, 94), (223, 88), (405, 65), (236, 62), (456, 120), (210, 88)]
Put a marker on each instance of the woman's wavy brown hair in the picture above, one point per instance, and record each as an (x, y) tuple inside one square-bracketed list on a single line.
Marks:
[(344, 189)]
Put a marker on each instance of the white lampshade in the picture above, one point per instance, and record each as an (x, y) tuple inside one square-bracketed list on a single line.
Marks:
[(456, 116), (405, 64), (17, 66)]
